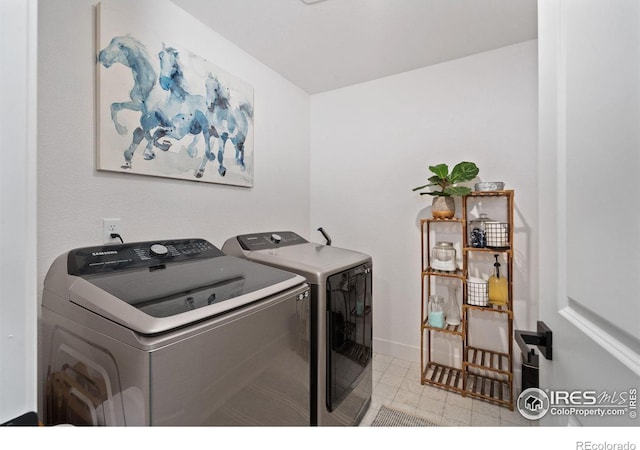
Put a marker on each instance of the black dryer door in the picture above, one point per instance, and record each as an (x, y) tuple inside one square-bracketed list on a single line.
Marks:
[(349, 331)]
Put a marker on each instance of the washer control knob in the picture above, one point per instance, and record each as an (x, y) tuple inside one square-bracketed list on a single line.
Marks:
[(275, 238), (159, 250)]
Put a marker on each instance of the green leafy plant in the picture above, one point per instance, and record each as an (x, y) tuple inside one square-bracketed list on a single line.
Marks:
[(463, 171)]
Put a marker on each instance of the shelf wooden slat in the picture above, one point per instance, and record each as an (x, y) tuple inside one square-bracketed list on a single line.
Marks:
[(487, 250), (502, 193), (489, 389), (434, 220), (443, 273), (451, 329), (444, 377), (490, 308), (491, 360)]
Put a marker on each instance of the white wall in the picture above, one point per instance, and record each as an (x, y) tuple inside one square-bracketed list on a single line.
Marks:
[(73, 197), (17, 208), (373, 142)]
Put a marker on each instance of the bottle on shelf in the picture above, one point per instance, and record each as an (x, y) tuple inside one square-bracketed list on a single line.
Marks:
[(453, 308), (498, 288), (436, 311)]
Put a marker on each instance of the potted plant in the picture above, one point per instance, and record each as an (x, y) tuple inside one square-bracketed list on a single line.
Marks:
[(443, 205)]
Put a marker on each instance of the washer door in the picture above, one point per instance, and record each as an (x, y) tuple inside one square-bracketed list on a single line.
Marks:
[(349, 331)]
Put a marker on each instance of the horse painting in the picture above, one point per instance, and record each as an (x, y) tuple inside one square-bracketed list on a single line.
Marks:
[(170, 111)]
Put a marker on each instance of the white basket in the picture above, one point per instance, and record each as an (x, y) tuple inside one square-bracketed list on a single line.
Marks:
[(477, 292)]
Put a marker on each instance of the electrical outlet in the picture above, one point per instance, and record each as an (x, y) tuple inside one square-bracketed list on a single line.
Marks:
[(110, 226)]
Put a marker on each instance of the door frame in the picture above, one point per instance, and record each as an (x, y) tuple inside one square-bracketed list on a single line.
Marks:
[(18, 215)]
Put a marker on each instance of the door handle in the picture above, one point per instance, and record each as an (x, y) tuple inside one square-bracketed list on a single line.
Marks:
[(543, 339)]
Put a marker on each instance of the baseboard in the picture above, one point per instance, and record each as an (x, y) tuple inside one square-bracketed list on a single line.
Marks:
[(396, 349)]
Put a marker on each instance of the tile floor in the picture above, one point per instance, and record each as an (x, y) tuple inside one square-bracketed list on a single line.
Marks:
[(396, 384)]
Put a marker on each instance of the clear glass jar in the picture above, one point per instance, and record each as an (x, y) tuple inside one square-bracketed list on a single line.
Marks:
[(443, 257), (478, 231), (452, 313)]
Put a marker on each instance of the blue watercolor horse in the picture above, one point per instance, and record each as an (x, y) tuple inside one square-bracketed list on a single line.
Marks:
[(129, 52), (183, 113), (230, 121)]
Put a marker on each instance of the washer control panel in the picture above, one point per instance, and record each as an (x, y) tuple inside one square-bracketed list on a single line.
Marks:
[(135, 255), (269, 240)]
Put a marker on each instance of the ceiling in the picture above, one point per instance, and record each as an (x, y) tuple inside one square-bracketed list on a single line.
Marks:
[(335, 43)]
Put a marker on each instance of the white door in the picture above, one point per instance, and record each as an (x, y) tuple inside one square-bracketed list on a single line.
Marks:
[(589, 208)]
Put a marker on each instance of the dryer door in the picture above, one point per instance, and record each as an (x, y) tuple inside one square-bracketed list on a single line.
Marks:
[(349, 333)]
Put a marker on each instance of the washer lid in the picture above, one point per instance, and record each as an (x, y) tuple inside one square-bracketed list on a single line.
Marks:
[(179, 288), (269, 240), (289, 251), (151, 298)]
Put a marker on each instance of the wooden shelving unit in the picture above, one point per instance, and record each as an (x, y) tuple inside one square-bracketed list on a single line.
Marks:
[(434, 373), (485, 373)]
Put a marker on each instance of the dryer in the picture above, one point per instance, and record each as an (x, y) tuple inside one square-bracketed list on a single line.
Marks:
[(341, 318), (172, 333)]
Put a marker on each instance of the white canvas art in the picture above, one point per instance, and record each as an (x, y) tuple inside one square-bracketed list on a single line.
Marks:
[(163, 110)]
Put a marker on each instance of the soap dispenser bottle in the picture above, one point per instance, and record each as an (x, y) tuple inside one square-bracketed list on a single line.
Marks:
[(498, 289)]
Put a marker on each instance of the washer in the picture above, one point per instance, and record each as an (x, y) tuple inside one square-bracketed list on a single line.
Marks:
[(172, 333), (341, 318)]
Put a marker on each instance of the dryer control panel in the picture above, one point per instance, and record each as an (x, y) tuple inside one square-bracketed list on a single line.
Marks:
[(273, 239), (135, 255)]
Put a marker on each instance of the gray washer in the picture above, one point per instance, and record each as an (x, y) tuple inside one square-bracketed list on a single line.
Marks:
[(341, 318), (172, 333)]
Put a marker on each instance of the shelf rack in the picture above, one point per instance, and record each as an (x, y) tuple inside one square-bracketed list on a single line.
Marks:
[(486, 374)]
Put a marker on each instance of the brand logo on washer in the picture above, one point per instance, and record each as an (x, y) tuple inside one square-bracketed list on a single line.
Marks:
[(110, 252)]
